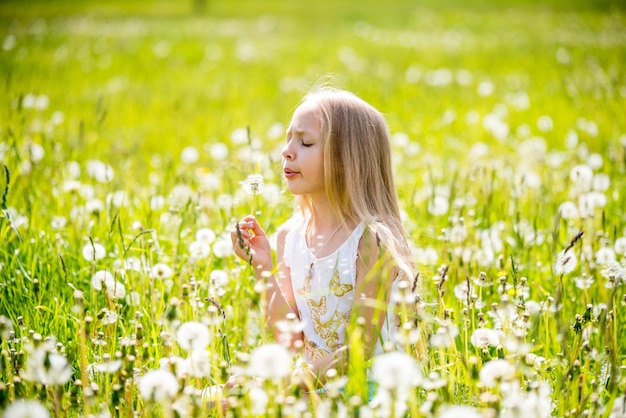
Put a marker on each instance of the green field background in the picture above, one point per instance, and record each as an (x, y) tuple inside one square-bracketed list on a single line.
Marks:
[(134, 83)]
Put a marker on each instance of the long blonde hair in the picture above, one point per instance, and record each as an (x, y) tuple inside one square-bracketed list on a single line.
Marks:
[(358, 176)]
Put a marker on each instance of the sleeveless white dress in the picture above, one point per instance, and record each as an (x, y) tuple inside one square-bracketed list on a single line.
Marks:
[(324, 290)]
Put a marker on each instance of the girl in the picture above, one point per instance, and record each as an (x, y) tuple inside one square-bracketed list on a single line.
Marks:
[(344, 249)]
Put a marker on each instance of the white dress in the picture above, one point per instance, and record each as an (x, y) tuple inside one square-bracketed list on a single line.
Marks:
[(324, 290)]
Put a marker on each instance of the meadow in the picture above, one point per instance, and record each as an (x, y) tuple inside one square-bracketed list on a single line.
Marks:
[(134, 134)]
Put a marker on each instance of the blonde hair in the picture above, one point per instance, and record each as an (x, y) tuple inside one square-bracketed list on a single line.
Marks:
[(358, 176)]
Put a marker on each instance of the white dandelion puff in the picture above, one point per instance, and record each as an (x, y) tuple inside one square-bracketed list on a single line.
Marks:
[(189, 155), (161, 271), (396, 371), (93, 251), (270, 361), (566, 262), (159, 386), (192, 336), (23, 408), (459, 411), (253, 184), (495, 372), (485, 337)]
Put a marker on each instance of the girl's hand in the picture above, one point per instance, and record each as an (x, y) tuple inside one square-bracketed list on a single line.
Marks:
[(251, 244)]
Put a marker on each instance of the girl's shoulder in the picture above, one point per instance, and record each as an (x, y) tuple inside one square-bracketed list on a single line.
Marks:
[(291, 225)]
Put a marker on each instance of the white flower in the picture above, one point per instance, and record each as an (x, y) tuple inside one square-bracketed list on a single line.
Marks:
[(197, 364), (161, 271), (189, 155), (619, 408), (485, 337), (620, 246), (496, 371), (444, 337), (223, 246), (568, 210), (101, 172), (199, 250), (157, 202), (565, 263), (205, 235), (582, 177), (22, 408), (258, 401), (160, 386), (254, 184), (396, 371), (439, 205), (270, 361), (614, 270), (47, 368), (193, 336), (106, 367), (605, 255), (219, 151), (93, 252), (101, 277), (460, 412)]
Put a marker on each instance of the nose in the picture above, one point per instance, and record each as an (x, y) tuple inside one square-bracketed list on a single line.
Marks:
[(287, 152)]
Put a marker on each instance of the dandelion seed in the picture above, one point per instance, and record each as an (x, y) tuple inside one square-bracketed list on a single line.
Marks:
[(93, 252), (192, 336), (444, 337), (584, 282), (495, 372), (58, 222), (22, 408), (566, 262), (439, 205), (270, 361), (159, 386)]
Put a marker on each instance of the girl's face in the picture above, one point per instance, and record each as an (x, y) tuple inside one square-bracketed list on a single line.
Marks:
[(303, 155)]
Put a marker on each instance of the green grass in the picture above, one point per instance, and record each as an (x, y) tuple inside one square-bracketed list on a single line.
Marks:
[(134, 83)]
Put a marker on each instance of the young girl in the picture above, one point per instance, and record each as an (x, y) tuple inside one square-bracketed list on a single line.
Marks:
[(344, 249)]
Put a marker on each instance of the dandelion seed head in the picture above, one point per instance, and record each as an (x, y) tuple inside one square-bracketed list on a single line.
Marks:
[(396, 371), (93, 251), (270, 361), (457, 411), (568, 210), (496, 371), (189, 155), (254, 184), (160, 386), (192, 336), (566, 262), (23, 408), (582, 177), (485, 337), (161, 271)]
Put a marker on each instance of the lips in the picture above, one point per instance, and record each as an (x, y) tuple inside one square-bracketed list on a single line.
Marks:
[(289, 173)]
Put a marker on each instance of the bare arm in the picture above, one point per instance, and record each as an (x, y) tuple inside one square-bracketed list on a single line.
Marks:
[(252, 245)]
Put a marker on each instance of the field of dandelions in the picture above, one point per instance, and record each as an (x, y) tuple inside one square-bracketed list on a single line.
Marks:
[(134, 134)]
